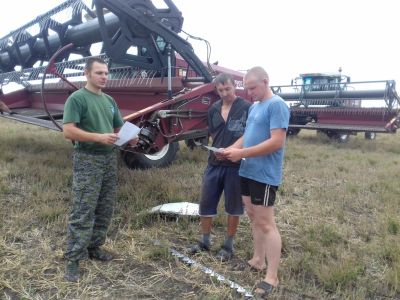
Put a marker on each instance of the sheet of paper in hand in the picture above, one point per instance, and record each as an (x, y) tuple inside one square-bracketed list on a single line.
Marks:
[(127, 132), (212, 148)]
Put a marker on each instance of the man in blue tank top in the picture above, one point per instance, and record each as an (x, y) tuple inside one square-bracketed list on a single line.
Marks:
[(261, 151)]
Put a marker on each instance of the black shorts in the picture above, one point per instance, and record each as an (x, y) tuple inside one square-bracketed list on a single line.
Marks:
[(260, 193), (218, 179)]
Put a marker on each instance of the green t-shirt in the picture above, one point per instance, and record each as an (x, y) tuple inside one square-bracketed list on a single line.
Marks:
[(93, 113)]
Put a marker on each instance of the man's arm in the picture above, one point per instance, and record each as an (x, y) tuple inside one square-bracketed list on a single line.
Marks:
[(237, 144), (72, 132), (274, 143)]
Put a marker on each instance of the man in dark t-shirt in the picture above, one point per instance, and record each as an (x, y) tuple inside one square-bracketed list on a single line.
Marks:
[(226, 122)]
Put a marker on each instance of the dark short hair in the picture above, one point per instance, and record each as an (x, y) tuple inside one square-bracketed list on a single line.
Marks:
[(224, 78), (92, 60)]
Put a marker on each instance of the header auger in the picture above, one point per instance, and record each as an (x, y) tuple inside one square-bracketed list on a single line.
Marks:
[(132, 32)]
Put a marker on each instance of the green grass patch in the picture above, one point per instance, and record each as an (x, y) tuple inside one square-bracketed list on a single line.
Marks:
[(336, 276), (393, 226)]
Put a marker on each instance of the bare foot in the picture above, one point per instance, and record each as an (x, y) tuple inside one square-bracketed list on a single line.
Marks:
[(256, 265)]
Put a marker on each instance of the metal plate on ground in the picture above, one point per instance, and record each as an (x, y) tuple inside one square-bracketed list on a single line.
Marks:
[(177, 208)]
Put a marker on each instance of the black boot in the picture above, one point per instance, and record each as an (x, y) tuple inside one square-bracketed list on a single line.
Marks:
[(99, 254)]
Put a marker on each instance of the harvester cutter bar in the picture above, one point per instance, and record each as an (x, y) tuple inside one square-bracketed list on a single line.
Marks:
[(354, 128)]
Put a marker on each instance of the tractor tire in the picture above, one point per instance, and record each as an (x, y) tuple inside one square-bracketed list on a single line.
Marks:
[(343, 137), (370, 135), (162, 158), (338, 136), (293, 131)]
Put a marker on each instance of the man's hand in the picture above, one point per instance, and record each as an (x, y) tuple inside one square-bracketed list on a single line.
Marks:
[(233, 154), (219, 154), (108, 138), (133, 142)]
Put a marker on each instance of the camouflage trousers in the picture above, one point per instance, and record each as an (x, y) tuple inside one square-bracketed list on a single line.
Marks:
[(94, 191)]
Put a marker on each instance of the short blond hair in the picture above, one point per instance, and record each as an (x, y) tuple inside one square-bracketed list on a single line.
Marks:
[(258, 72)]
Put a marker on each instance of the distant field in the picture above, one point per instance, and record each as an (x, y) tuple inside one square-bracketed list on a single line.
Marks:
[(338, 212)]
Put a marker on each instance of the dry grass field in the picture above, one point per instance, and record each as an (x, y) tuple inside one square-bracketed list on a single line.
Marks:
[(338, 212)]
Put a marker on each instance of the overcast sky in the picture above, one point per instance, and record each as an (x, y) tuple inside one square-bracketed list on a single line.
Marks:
[(286, 37)]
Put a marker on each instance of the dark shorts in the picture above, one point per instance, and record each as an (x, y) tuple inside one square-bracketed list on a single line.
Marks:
[(218, 179), (260, 193)]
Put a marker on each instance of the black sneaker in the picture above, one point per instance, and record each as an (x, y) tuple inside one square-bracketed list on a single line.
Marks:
[(196, 248), (72, 271), (99, 254)]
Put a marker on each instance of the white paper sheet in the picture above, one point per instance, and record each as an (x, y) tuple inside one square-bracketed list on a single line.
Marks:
[(217, 150), (127, 132), (212, 148)]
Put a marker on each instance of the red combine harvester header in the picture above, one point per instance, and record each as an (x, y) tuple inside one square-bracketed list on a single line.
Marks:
[(155, 77)]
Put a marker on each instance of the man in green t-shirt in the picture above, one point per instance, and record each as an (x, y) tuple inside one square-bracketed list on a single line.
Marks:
[(92, 120)]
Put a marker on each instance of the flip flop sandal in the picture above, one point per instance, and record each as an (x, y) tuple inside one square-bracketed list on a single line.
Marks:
[(266, 288), (245, 266)]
